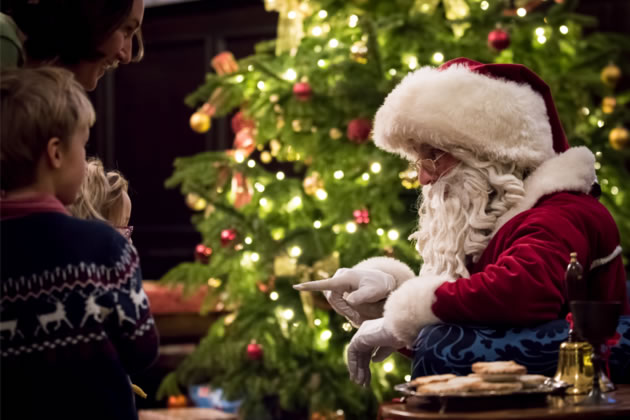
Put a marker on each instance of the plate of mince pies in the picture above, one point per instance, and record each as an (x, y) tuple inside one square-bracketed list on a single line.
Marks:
[(501, 382)]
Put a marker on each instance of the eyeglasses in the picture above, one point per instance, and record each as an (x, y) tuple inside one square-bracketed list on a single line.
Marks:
[(125, 231), (428, 165)]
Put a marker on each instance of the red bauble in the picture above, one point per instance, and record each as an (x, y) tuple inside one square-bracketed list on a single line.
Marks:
[(202, 253), (254, 351), (302, 91), (362, 217), (359, 130), (499, 39), (227, 236), (239, 122)]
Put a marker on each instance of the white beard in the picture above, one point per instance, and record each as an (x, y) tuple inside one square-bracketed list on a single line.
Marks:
[(454, 225)]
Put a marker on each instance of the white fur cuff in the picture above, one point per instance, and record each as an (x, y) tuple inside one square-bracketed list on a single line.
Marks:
[(397, 269), (408, 309)]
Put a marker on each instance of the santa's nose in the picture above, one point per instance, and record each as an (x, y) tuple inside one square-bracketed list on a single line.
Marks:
[(425, 177)]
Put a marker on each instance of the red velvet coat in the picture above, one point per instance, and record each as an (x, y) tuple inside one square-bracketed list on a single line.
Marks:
[(519, 279)]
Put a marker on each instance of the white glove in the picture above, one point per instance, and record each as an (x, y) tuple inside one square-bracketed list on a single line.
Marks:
[(371, 342), (350, 289)]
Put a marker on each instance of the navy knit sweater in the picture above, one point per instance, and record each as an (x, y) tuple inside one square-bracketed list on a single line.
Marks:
[(75, 320)]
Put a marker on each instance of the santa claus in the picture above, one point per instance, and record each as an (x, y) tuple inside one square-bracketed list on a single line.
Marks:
[(504, 203)]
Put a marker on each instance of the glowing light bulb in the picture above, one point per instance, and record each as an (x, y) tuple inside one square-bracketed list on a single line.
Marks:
[(274, 296), (280, 175), (407, 378), (365, 176), (412, 62), (585, 111), (392, 72), (261, 85), (375, 167), (597, 165), (321, 63), (540, 31), (259, 187), (393, 234), (333, 43), (322, 14), (542, 39), (251, 163), (564, 29), (321, 194), (600, 123), (351, 227), (248, 240), (325, 335), (338, 174), (316, 31), (388, 367), (317, 224), (346, 326), (380, 231), (292, 14), (239, 156), (353, 21), (317, 322), (255, 256), (288, 314), (264, 202), (614, 190), (290, 74), (484, 5), (521, 12), (295, 251), (239, 78), (438, 57)]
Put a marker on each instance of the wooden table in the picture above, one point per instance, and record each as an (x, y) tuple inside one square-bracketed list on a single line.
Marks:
[(557, 408)]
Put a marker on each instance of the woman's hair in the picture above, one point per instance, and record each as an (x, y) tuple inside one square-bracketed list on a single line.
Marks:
[(69, 31), (35, 106), (101, 194)]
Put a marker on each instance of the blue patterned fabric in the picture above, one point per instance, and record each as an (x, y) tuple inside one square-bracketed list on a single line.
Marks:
[(448, 348)]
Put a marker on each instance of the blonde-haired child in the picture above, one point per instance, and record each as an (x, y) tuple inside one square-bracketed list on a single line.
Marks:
[(104, 196), (74, 316)]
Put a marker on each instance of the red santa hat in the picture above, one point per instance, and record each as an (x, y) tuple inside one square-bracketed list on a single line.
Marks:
[(498, 112)]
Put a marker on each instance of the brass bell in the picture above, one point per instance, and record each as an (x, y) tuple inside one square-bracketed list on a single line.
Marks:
[(575, 367)]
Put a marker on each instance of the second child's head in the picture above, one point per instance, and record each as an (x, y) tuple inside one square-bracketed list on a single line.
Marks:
[(104, 196), (46, 119)]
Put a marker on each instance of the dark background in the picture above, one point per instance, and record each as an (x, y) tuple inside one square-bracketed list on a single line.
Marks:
[(143, 123)]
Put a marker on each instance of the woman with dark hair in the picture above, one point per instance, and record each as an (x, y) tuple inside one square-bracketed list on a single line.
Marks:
[(87, 37)]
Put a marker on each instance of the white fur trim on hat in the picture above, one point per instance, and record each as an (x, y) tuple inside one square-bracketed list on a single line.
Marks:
[(493, 118), (408, 309), (573, 170), (397, 269)]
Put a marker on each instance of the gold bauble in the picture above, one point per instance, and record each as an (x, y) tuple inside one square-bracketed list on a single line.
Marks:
[(265, 157), (611, 75), (335, 133), (195, 202), (619, 138), (312, 183), (200, 122), (608, 104)]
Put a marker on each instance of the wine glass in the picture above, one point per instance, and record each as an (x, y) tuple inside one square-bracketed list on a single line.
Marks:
[(596, 321)]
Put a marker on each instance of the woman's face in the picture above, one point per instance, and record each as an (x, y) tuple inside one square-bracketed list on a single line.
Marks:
[(116, 49)]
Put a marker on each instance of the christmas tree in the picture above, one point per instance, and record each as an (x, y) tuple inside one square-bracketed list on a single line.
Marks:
[(304, 192)]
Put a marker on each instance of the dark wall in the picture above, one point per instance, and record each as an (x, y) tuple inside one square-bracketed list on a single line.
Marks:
[(143, 123)]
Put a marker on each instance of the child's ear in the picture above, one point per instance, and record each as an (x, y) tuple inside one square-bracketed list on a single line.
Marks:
[(54, 152)]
